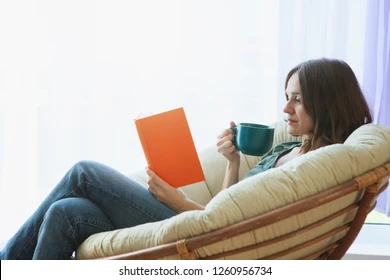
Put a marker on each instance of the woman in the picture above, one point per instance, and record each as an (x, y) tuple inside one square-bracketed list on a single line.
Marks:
[(324, 104)]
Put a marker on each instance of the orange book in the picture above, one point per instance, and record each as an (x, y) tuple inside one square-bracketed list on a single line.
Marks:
[(169, 148)]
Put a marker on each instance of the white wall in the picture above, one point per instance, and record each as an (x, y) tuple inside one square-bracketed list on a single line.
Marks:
[(372, 243), (74, 74)]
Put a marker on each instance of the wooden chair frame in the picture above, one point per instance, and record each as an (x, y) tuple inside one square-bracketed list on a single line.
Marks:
[(372, 182)]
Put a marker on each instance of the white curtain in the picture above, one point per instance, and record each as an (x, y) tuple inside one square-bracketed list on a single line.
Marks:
[(314, 29), (74, 74), (377, 73)]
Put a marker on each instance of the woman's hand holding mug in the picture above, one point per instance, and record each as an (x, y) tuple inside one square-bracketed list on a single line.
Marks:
[(225, 144)]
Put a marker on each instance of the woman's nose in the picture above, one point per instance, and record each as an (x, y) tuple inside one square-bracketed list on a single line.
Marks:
[(288, 108)]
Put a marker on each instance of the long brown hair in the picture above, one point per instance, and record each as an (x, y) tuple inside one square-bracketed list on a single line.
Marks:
[(332, 97)]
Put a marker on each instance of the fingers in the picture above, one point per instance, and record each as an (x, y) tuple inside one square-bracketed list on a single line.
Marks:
[(225, 146), (155, 182), (227, 149), (152, 191), (227, 131), (165, 193), (152, 183), (224, 133), (153, 176), (225, 143), (149, 171), (225, 139)]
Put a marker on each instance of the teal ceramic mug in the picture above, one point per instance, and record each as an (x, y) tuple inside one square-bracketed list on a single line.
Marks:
[(253, 139)]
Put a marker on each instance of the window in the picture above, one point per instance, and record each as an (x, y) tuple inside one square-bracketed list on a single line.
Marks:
[(73, 79)]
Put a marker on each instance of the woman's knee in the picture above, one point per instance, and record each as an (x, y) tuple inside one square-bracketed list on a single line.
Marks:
[(84, 166), (73, 211), (60, 208), (83, 170)]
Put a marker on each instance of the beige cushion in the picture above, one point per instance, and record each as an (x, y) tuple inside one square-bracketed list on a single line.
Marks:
[(367, 148)]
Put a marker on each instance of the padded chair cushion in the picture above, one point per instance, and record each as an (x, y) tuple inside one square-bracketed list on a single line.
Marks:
[(367, 148)]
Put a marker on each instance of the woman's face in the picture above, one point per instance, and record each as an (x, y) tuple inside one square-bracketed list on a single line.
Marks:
[(299, 122)]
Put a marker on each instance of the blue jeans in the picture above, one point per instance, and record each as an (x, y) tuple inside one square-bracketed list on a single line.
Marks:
[(91, 198)]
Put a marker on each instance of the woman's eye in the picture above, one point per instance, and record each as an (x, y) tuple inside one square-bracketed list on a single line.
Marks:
[(297, 100)]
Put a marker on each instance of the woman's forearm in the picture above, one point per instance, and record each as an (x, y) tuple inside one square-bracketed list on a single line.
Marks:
[(189, 205), (231, 175)]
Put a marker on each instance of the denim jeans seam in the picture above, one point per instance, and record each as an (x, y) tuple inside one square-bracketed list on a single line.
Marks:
[(92, 222), (35, 232), (95, 224), (70, 235), (113, 194)]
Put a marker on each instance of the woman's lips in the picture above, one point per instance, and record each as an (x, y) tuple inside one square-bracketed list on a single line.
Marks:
[(290, 122)]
